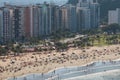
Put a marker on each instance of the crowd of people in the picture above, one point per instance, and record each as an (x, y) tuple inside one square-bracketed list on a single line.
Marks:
[(45, 61)]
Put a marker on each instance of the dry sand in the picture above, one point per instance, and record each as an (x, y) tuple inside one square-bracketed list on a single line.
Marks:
[(46, 61)]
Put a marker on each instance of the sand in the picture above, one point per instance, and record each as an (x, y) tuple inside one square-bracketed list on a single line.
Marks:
[(42, 62)]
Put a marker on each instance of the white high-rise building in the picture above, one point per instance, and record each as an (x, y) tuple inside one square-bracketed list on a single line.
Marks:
[(94, 11), (114, 16), (72, 18), (95, 14), (87, 18), (83, 15), (35, 21)]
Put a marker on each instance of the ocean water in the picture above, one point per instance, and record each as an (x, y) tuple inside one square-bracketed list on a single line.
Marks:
[(109, 75), (94, 71)]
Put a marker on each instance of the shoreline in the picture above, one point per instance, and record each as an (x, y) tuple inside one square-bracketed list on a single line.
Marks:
[(85, 65), (101, 54), (55, 69)]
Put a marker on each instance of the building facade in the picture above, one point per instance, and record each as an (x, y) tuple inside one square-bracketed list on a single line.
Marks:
[(64, 20), (72, 18), (27, 22), (8, 33), (94, 11), (41, 20), (18, 23), (114, 16), (1, 26)]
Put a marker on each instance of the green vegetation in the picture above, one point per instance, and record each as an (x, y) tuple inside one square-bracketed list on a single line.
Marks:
[(98, 40), (62, 34), (61, 46), (3, 51), (108, 35), (6, 49), (17, 49), (112, 28)]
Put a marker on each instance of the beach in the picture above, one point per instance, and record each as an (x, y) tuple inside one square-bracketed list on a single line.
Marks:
[(43, 62), (105, 70)]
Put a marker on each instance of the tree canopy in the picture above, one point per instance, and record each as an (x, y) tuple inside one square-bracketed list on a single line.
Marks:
[(112, 28)]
